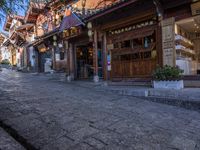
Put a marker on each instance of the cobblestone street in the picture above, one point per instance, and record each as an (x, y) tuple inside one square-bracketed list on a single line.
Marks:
[(52, 115)]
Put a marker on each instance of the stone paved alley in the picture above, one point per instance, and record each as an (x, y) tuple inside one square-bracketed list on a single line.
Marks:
[(51, 115)]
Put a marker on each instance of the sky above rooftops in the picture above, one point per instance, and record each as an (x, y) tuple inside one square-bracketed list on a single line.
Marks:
[(20, 12)]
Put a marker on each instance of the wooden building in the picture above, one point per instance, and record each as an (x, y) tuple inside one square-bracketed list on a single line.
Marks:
[(79, 41), (15, 39), (113, 39), (128, 34), (137, 35), (181, 45)]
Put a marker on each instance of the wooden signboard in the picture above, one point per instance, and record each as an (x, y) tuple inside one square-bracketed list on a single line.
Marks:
[(168, 42), (195, 7)]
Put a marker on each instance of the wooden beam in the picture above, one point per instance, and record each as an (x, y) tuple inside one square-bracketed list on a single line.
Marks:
[(128, 21), (105, 63)]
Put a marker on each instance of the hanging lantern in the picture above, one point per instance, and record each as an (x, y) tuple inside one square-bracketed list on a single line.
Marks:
[(90, 33), (89, 25), (54, 43), (83, 3), (57, 16), (54, 37)]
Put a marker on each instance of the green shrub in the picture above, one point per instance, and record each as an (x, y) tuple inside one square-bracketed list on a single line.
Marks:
[(167, 73), (5, 62)]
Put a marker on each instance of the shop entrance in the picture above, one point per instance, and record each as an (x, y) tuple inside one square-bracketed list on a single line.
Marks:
[(84, 57), (187, 39)]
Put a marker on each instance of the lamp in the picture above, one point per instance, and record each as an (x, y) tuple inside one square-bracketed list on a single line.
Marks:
[(89, 25), (54, 37), (90, 33), (54, 43)]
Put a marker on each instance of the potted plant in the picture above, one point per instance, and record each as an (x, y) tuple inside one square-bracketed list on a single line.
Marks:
[(168, 77)]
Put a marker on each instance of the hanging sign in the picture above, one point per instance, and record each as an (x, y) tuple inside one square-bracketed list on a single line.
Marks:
[(57, 57), (109, 61), (110, 46), (71, 32)]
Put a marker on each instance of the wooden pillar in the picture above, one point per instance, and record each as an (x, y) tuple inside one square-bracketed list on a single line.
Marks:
[(54, 57), (68, 58), (71, 62), (105, 63), (95, 57), (159, 45)]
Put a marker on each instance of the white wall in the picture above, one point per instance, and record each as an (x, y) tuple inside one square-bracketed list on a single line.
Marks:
[(5, 53)]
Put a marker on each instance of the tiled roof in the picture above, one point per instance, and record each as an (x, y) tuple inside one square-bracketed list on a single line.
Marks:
[(91, 12), (104, 9), (70, 21)]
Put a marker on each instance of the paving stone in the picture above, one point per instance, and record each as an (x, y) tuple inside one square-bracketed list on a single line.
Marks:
[(62, 143), (53, 116), (183, 144)]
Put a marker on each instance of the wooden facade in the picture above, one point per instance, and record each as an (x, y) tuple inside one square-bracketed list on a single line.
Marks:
[(131, 41), (133, 22), (125, 41)]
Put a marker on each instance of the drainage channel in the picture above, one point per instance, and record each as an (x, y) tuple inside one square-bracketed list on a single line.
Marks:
[(14, 134)]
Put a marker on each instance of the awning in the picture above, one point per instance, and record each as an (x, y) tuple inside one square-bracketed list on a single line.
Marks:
[(70, 21)]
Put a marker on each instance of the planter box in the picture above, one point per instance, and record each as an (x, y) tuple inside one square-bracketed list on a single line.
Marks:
[(168, 84)]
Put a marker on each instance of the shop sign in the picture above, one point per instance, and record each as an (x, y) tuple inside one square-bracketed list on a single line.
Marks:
[(57, 57), (195, 7), (109, 62), (168, 40), (110, 46), (71, 32)]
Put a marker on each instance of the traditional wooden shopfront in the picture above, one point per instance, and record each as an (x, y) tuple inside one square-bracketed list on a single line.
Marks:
[(133, 52), (78, 48), (132, 39)]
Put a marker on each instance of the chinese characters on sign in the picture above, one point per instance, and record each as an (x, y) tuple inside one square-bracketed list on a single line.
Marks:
[(168, 39), (71, 32)]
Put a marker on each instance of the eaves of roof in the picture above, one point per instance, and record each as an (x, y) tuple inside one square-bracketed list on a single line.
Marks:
[(108, 9)]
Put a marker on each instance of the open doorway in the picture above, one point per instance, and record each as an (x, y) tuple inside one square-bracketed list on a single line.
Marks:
[(187, 41), (84, 55)]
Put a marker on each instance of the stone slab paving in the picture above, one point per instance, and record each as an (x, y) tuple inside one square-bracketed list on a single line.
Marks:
[(8, 143), (53, 115)]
